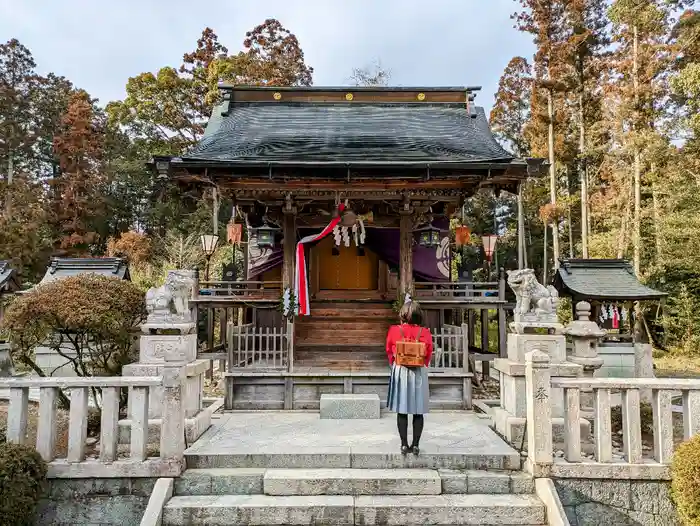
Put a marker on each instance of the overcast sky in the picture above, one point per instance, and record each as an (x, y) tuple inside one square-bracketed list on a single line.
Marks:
[(99, 44)]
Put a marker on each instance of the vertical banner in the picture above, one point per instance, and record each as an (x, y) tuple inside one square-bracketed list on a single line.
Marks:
[(301, 281)]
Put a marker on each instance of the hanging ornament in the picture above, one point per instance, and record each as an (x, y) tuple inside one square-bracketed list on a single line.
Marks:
[(462, 235), (234, 232)]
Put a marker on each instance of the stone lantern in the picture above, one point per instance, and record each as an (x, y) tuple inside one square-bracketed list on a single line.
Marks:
[(585, 335)]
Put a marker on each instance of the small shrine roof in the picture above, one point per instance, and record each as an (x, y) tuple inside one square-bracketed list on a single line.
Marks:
[(369, 126), (9, 281), (602, 279), (64, 267)]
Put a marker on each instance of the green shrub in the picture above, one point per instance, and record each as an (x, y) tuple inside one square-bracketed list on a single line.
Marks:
[(685, 484), (22, 473), (646, 415)]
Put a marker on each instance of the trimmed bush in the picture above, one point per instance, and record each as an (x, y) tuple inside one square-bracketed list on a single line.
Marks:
[(22, 473), (685, 485)]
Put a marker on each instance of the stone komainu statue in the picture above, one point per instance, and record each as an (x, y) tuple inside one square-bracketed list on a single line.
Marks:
[(532, 298), (169, 303)]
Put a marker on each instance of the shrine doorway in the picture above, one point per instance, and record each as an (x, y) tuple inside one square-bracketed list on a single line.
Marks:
[(345, 268)]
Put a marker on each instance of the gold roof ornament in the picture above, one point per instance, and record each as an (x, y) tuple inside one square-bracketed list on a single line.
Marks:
[(421, 96), (277, 95), (349, 96)]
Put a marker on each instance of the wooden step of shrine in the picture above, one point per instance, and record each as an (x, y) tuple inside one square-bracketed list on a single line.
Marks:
[(345, 335), (341, 357), (350, 309)]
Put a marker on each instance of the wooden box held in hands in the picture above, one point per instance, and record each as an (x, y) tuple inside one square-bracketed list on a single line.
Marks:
[(410, 354)]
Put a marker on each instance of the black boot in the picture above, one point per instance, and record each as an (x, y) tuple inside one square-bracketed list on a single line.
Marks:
[(418, 422), (402, 422)]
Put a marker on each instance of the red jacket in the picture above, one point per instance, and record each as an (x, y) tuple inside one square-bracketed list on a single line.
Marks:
[(410, 332)]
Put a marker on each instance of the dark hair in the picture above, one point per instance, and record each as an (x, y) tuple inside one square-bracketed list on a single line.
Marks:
[(411, 313)]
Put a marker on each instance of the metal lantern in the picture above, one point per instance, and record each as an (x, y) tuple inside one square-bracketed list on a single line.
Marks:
[(266, 235), (209, 244), (429, 236), (489, 242)]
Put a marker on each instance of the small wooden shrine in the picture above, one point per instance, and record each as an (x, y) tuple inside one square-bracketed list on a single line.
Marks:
[(347, 195), (610, 286)]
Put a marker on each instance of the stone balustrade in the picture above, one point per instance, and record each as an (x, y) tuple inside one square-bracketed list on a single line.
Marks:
[(634, 464), (111, 462)]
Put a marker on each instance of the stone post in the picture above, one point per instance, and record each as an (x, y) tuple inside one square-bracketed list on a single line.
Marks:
[(539, 411), (585, 335), (172, 435)]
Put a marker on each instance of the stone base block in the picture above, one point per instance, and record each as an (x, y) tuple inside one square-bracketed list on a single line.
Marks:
[(512, 428), (194, 427), (552, 344), (192, 392), (153, 347), (349, 406)]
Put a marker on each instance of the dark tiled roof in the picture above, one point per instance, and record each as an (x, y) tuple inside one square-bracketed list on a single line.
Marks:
[(8, 278), (604, 279), (64, 267), (357, 133)]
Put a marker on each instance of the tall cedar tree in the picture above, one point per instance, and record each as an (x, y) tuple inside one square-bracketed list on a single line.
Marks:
[(77, 197), (545, 20), (585, 50), (509, 118), (17, 83)]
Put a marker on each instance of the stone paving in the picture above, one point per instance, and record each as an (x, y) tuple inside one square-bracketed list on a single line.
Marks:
[(456, 432)]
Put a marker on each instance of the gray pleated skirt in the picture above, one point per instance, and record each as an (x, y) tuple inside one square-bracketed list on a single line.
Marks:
[(408, 390)]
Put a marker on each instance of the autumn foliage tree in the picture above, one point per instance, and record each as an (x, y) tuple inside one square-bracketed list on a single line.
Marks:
[(77, 192), (89, 320)]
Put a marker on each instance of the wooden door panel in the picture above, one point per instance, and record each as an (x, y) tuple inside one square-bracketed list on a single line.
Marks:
[(347, 270)]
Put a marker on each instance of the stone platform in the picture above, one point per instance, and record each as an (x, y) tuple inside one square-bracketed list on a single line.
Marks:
[(295, 468), (290, 439)]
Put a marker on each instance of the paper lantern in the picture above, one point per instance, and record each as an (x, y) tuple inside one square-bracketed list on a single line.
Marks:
[(462, 235), (234, 233)]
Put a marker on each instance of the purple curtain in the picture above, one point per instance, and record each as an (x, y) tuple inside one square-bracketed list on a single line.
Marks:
[(429, 264)]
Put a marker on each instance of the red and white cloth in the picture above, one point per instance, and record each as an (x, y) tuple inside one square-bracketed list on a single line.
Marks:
[(301, 281)]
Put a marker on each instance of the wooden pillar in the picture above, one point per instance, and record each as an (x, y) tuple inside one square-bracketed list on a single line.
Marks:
[(484, 330), (406, 252), (289, 233)]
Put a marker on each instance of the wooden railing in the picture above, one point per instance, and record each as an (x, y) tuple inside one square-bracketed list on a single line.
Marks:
[(632, 463), (111, 462), (458, 289), (241, 290), (449, 345), (260, 347)]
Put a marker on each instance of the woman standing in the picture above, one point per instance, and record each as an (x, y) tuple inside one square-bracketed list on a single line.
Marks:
[(408, 386)]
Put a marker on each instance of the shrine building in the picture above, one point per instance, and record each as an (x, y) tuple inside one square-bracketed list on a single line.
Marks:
[(346, 195)]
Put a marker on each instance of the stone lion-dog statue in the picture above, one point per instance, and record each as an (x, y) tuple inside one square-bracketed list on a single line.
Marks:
[(532, 298), (169, 303)]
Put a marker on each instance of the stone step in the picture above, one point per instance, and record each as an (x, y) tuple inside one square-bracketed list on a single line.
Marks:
[(286, 482), (345, 459), (283, 482), (220, 481), (264, 510), (485, 510)]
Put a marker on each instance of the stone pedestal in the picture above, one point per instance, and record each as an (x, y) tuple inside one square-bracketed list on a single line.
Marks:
[(176, 340), (510, 417), (585, 335)]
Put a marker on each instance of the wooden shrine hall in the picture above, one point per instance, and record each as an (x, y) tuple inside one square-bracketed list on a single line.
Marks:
[(346, 195)]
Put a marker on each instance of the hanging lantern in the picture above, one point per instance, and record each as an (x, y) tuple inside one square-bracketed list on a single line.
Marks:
[(266, 235), (428, 236), (462, 235), (234, 233), (489, 242)]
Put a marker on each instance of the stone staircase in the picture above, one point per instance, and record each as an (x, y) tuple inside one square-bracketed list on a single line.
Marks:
[(344, 335), (256, 493)]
